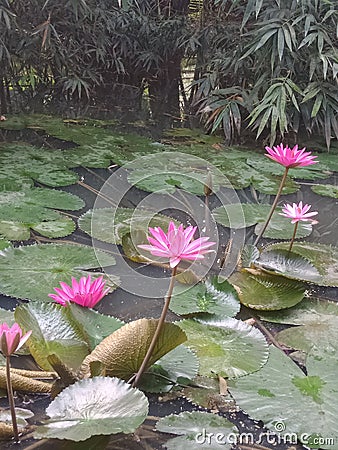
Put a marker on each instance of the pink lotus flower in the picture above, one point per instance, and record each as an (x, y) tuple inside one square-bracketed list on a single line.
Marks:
[(85, 292), (298, 212), (11, 338), (289, 158), (177, 244)]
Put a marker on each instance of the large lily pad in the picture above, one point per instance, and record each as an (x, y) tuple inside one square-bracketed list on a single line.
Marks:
[(321, 333), (55, 228), (288, 264), (122, 353), (288, 401), (52, 333), (22, 210), (218, 299), (307, 311), (321, 266), (17, 231), (329, 160), (178, 367), (21, 161), (198, 429), (240, 215), (266, 291), (32, 272), (100, 405), (111, 224), (228, 347), (281, 227), (171, 170), (94, 326), (269, 184), (327, 190), (266, 165)]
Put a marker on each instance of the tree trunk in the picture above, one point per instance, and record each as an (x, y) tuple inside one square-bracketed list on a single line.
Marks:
[(3, 101)]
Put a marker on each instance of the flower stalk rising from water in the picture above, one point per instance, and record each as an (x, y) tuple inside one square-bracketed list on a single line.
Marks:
[(298, 213), (289, 158), (176, 245), (85, 293), (11, 339)]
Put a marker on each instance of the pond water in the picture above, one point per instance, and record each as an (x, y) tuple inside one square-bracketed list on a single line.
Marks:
[(143, 287)]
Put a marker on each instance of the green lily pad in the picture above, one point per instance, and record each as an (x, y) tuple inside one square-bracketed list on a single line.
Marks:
[(178, 367), (288, 401), (99, 405), (14, 231), (288, 264), (327, 190), (17, 231), (32, 272), (324, 259), (321, 333), (168, 171), (3, 242), (111, 224), (227, 347), (45, 166), (307, 311), (210, 393), (94, 326), (218, 299), (22, 210), (198, 429), (35, 205), (190, 136), (269, 184), (266, 165), (267, 292), (240, 215), (55, 228), (52, 333), (281, 227), (329, 160)]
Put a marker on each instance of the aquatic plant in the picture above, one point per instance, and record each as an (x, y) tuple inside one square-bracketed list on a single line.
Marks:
[(11, 339), (289, 158), (175, 245), (85, 293), (298, 213)]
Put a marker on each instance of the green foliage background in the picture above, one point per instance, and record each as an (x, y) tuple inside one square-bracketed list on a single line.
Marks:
[(267, 66)]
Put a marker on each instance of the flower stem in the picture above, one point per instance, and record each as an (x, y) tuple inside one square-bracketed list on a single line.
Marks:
[(273, 206), (293, 236), (158, 329), (11, 399)]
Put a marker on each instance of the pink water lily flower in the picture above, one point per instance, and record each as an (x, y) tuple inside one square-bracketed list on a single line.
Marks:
[(12, 338), (298, 213), (85, 292), (177, 244), (290, 158)]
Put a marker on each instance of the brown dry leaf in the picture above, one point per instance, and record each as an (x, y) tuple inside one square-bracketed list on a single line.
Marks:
[(24, 384), (123, 351)]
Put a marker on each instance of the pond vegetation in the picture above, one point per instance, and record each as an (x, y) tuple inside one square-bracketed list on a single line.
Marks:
[(251, 327), (107, 220)]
